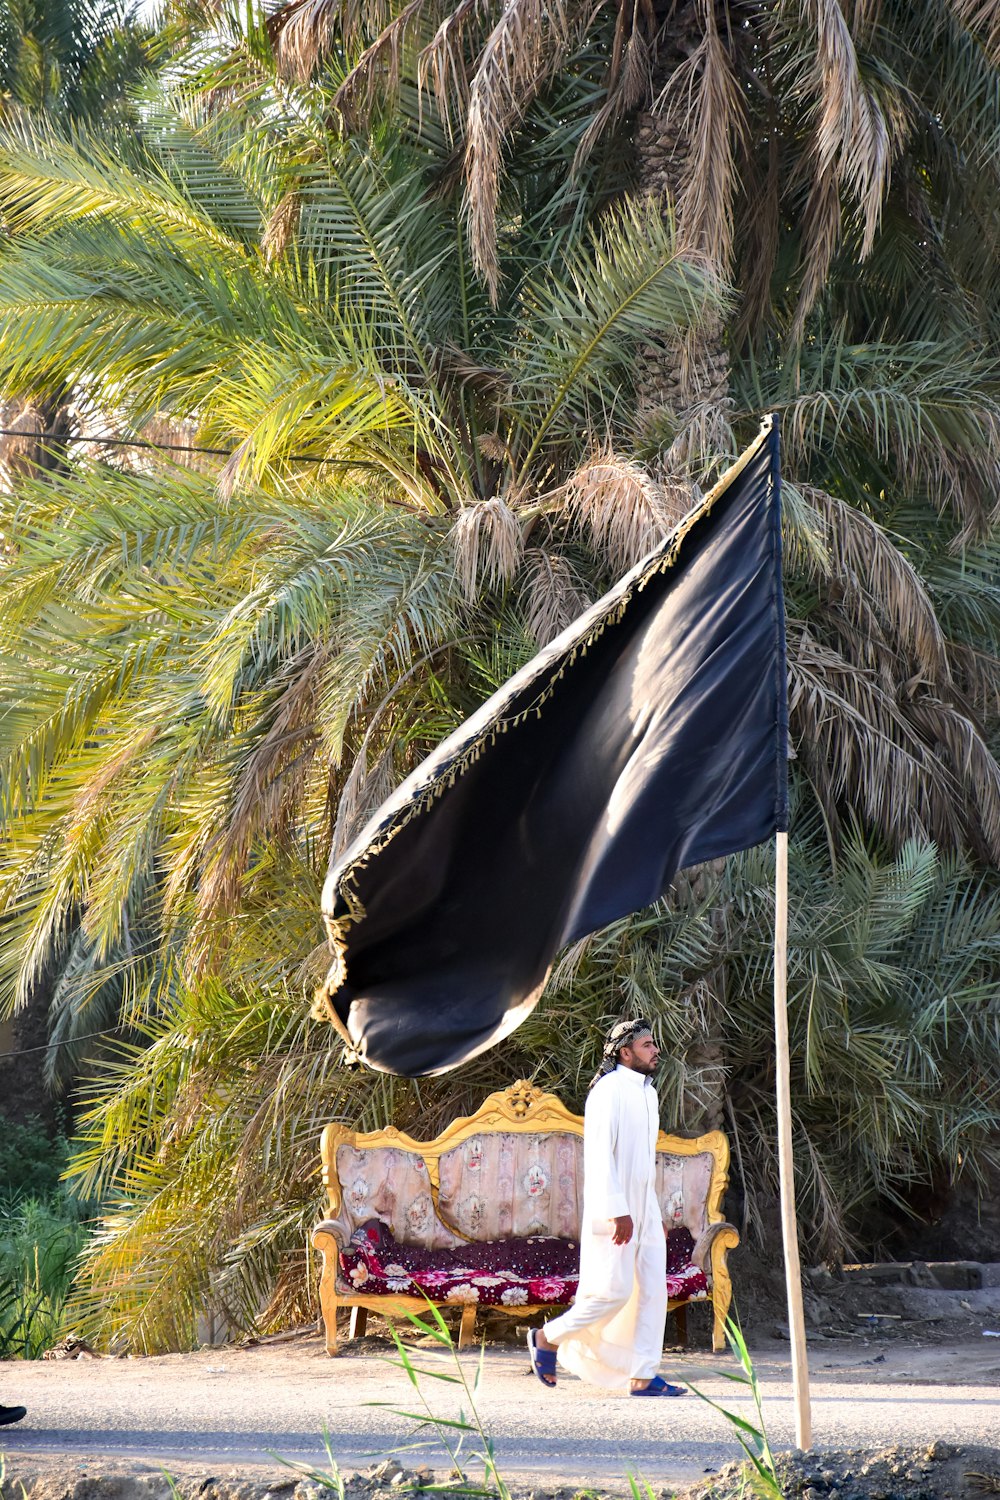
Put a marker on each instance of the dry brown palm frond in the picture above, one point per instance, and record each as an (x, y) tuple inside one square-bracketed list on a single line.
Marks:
[(821, 224), (554, 595), (454, 365), (864, 560), (302, 32), (488, 545), (235, 470), (959, 742), (623, 509), (15, 455), (25, 424), (705, 439), (852, 736), (705, 93), (880, 136), (93, 792), (282, 226), (492, 446), (177, 435), (859, 132), (377, 67), (982, 17), (364, 790), (858, 136), (526, 46), (968, 485), (625, 91), (38, 431), (860, 635), (977, 674), (267, 787), (759, 240), (849, 141), (865, 18), (443, 62)]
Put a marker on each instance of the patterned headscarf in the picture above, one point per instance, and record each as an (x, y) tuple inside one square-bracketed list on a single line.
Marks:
[(622, 1034)]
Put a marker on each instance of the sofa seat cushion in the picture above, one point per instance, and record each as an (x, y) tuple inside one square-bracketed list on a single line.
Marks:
[(533, 1271), (686, 1282)]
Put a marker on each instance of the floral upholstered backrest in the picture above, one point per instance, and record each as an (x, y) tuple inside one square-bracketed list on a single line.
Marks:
[(682, 1189), (513, 1169), (499, 1184), (391, 1184)]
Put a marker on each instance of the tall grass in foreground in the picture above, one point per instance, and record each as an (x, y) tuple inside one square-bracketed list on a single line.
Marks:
[(759, 1476), (40, 1243), (41, 1236)]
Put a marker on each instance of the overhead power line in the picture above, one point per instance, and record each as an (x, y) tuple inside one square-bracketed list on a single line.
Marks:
[(69, 1041), (106, 442)]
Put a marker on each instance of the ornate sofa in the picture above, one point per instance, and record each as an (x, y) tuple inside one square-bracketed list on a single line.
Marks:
[(488, 1215)]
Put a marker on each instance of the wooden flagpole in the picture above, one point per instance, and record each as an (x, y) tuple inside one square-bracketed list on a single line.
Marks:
[(789, 1231)]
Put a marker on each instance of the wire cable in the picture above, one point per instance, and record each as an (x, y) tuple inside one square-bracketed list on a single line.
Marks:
[(69, 1041), (58, 437)]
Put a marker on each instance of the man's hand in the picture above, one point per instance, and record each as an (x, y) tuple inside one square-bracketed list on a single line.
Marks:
[(622, 1232)]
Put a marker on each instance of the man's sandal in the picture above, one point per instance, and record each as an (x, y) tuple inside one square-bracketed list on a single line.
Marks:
[(659, 1387), (543, 1361)]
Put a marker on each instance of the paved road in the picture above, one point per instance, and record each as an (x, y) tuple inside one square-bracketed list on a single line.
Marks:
[(230, 1408)]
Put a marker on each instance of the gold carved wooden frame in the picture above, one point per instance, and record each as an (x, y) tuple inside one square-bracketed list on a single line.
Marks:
[(522, 1108)]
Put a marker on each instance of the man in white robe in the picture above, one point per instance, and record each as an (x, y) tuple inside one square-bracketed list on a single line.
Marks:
[(613, 1334)]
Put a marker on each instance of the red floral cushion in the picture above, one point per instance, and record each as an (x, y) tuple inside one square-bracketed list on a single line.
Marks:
[(493, 1273)]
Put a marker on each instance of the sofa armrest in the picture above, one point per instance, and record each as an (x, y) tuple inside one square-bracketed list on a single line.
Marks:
[(324, 1232), (701, 1255)]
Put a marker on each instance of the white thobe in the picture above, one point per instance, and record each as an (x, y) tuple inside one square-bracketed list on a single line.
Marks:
[(613, 1333)]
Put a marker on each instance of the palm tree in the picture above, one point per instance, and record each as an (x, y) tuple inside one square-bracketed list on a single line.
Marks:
[(361, 374), (892, 988), (744, 113), (76, 60), (874, 425), (210, 674), (795, 143)]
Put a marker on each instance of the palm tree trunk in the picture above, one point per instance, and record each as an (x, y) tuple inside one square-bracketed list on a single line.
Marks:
[(23, 1040), (692, 376), (689, 380), (29, 453), (705, 1063)]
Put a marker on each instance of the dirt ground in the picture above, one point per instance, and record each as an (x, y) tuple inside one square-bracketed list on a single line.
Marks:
[(869, 1381), (932, 1471), (906, 1375)]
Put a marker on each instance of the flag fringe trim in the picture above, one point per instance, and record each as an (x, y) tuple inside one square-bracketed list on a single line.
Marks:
[(633, 583)]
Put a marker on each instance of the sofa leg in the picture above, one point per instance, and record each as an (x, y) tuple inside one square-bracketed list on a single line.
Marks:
[(359, 1322), (328, 1312), (467, 1327), (681, 1324), (720, 1343)]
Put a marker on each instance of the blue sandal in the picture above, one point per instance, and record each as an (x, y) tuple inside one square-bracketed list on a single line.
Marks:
[(659, 1387), (543, 1361)]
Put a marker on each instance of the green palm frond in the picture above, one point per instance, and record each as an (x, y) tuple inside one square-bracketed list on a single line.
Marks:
[(630, 285)]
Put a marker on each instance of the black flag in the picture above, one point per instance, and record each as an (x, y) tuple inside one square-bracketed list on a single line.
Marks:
[(649, 736)]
